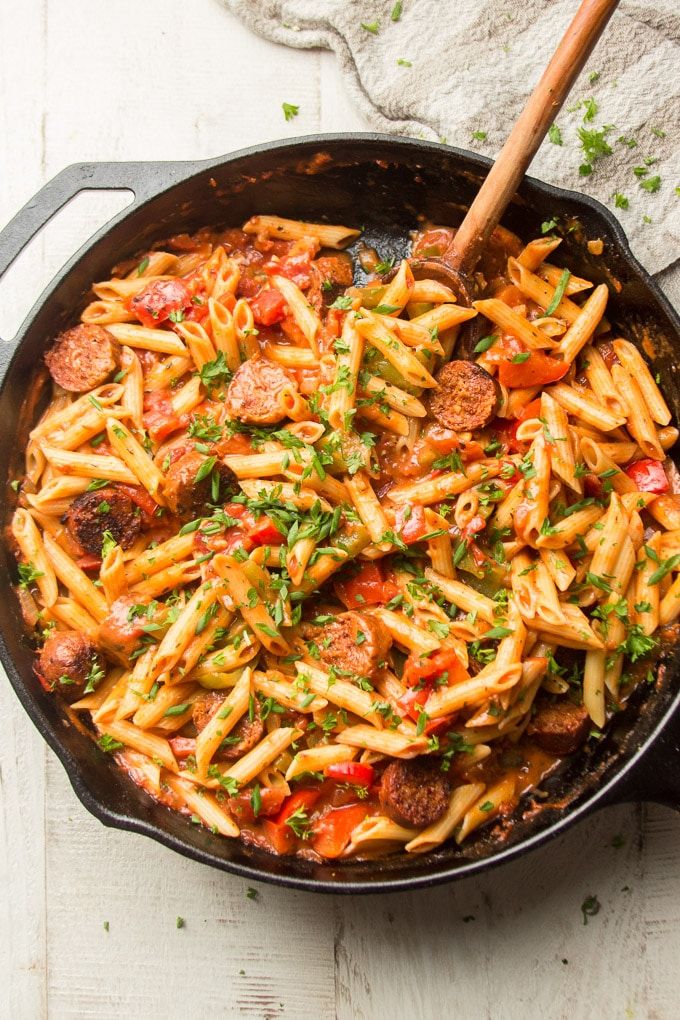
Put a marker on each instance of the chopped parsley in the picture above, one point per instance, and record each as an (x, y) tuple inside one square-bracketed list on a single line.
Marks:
[(555, 135), (590, 906), (562, 285), (290, 110)]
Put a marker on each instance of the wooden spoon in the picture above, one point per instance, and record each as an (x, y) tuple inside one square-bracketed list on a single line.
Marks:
[(457, 266)]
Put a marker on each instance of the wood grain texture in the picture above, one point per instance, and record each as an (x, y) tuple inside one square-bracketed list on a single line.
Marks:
[(167, 79)]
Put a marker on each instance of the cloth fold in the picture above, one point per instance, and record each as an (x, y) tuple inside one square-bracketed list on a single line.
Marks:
[(461, 70)]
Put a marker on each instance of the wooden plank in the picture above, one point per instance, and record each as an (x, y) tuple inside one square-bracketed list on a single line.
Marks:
[(523, 921), (234, 956), (22, 752)]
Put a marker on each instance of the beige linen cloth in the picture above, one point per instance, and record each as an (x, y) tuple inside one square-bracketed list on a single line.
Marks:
[(447, 69)]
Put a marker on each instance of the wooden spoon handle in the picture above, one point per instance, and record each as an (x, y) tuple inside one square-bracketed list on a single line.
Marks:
[(526, 136)]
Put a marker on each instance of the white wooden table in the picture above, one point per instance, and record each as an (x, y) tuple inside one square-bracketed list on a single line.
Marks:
[(88, 915)]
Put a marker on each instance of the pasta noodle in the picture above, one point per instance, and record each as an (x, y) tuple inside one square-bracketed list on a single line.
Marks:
[(305, 581)]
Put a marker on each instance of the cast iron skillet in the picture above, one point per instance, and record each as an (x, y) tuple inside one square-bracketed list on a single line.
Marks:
[(381, 184)]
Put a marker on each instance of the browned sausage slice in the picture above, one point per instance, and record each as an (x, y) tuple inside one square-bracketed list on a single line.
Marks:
[(415, 793), (256, 394), (559, 728), (244, 736), (82, 357), (353, 643), (108, 509), (65, 662), (466, 398), (188, 497)]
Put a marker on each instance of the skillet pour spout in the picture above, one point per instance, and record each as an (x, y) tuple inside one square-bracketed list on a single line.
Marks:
[(387, 186)]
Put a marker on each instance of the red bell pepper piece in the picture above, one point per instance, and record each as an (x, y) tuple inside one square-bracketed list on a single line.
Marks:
[(305, 799), (367, 587), (154, 303), (141, 497), (649, 476), (355, 772), (530, 410), (412, 702), (264, 532), (333, 832), (425, 669), (159, 418), (538, 369), (268, 307), (410, 524)]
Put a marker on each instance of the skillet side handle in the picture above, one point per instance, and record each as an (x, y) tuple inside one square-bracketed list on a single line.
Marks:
[(143, 179), (655, 777)]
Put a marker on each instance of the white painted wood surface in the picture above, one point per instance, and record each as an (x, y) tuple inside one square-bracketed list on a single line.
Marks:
[(168, 79)]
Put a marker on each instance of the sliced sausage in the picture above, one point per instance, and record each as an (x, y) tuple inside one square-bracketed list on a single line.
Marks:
[(466, 397), (244, 736), (108, 509), (335, 269), (415, 793), (559, 728), (82, 357), (188, 497), (353, 643), (65, 662), (256, 394)]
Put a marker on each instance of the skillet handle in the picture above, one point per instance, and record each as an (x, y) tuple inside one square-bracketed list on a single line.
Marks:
[(144, 179), (655, 777)]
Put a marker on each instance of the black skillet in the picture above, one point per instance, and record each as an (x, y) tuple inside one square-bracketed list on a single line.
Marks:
[(383, 185)]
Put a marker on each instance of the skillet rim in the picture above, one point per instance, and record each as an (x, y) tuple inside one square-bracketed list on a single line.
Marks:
[(180, 173)]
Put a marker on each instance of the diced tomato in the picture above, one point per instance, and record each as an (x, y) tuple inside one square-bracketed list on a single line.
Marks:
[(473, 526), (305, 799), (538, 369), (412, 702), (355, 772), (367, 587), (648, 475), (478, 555), (264, 532), (141, 497), (333, 832), (293, 267), (410, 524), (182, 747), (334, 320), (237, 510), (269, 307), (506, 430), (89, 562), (159, 417), (425, 669), (154, 303)]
